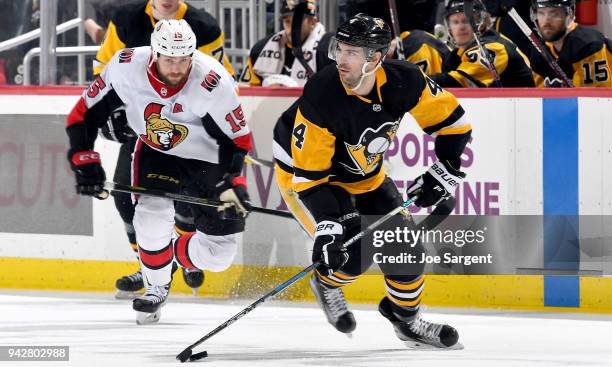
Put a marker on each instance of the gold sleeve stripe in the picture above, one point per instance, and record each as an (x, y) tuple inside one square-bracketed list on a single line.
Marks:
[(436, 108), (459, 127), (109, 47), (449, 121), (455, 130), (215, 49)]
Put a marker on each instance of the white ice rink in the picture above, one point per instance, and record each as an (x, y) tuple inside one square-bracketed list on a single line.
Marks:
[(101, 331)]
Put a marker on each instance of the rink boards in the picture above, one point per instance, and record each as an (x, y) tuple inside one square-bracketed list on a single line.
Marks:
[(533, 153)]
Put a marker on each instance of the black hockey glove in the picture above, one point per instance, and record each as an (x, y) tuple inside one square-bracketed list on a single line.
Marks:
[(328, 247), (233, 190), (116, 127), (435, 185), (89, 173)]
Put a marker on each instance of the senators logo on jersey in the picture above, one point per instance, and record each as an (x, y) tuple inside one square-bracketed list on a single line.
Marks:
[(161, 133), (368, 152)]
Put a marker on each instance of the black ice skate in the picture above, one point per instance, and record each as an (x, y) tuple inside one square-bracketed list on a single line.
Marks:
[(128, 286), (148, 306), (333, 304), (421, 334), (194, 278)]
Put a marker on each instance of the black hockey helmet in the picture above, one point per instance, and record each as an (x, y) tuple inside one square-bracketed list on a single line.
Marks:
[(362, 30), (568, 5), (458, 6), (289, 5), (553, 4)]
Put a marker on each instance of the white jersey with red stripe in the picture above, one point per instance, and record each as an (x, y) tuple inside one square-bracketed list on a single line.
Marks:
[(188, 121)]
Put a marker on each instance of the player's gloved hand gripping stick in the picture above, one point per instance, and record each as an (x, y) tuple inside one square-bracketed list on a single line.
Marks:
[(444, 209)]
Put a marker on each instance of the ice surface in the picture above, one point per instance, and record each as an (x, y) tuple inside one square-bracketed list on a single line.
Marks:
[(101, 331)]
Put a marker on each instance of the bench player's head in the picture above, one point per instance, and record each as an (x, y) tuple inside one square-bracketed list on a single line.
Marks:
[(309, 21), (165, 9), (359, 47), (458, 24), (553, 17), (172, 46)]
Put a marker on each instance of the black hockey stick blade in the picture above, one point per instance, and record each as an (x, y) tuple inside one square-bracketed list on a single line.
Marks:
[(296, 35), (396, 30), (111, 186)]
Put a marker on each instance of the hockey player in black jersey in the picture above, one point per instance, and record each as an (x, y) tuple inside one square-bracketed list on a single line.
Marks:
[(584, 54), (329, 148), (465, 67)]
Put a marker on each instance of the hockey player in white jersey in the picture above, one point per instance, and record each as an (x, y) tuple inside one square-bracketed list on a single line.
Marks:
[(193, 138)]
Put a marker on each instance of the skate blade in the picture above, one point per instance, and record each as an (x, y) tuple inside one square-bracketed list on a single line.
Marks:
[(195, 291), (146, 318), (416, 345), (127, 295)]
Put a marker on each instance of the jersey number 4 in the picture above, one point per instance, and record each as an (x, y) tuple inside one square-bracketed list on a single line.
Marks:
[(299, 133)]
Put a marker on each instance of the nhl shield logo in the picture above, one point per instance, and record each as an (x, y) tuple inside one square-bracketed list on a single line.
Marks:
[(376, 107)]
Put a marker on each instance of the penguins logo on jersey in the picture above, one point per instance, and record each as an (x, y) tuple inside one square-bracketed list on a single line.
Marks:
[(161, 133), (368, 152)]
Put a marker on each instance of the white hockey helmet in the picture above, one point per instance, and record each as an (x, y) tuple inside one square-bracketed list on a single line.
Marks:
[(173, 38)]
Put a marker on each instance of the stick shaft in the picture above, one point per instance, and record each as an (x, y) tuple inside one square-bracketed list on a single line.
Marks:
[(535, 41), (184, 198)]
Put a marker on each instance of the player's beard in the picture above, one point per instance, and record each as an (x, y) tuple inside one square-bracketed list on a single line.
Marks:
[(554, 36), (176, 80)]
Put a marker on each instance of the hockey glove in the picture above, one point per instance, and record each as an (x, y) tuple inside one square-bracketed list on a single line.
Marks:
[(328, 246), (435, 185), (89, 173), (233, 191), (116, 127)]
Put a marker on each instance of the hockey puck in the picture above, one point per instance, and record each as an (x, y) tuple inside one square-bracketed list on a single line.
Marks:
[(197, 356)]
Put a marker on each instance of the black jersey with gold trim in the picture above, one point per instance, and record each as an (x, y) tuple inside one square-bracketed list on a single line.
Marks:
[(425, 50), (340, 138), (131, 25), (586, 58), (465, 68)]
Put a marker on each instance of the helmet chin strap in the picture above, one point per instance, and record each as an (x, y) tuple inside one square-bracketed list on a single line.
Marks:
[(364, 74)]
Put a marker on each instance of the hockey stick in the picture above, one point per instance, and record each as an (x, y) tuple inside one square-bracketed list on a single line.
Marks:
[(396, 30), (537, 43), (296, 36), (111, 186), (468, 8), (258, 161), (437, 215), (186, 354)]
